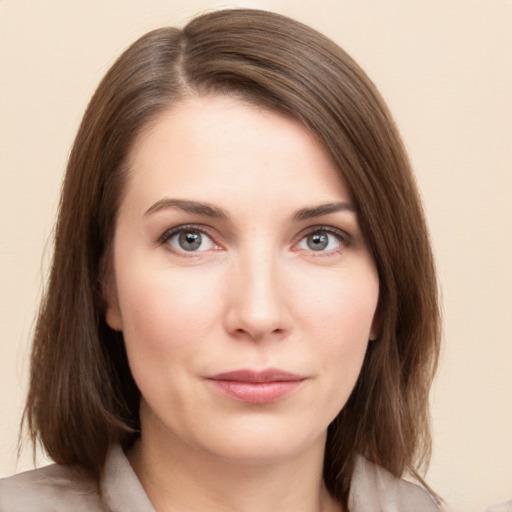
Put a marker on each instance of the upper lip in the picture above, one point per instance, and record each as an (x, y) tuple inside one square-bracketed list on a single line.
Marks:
[(245, 375)]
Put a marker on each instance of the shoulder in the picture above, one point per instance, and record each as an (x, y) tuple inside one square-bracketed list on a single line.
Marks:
[(500, 507), (52, 488), (374, 489)]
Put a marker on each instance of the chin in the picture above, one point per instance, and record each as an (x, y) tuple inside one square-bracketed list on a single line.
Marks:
[(263, 445)]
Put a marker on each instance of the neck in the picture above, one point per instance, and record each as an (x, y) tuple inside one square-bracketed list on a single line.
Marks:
[(180, 478)]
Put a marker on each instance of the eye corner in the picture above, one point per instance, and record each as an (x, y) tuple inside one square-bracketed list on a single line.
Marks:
[(323, 240), (175, 240)]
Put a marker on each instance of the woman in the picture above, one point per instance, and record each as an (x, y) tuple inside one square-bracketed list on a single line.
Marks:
[(242, 309)]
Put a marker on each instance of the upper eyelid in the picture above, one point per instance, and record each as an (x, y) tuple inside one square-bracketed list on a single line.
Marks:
[(168, 233), (343, 239), (328, 229)]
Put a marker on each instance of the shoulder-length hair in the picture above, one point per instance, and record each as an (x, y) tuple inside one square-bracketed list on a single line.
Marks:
[(82, 397)]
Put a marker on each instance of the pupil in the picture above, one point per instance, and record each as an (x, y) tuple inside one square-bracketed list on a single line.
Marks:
[(190, 240), (318, 241)]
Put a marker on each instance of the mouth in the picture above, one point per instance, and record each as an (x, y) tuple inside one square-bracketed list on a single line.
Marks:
[(256, 387)]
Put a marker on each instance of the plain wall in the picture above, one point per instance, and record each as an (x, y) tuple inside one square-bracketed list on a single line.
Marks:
[(445, 68)]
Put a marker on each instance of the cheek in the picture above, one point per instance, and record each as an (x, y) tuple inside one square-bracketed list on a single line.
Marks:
[(338, 315), (166, 315), (341, 305)]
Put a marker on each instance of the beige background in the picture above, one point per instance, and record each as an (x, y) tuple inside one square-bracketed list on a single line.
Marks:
[(445, 68)]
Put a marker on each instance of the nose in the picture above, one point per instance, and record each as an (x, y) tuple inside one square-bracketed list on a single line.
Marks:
[(257, 308)]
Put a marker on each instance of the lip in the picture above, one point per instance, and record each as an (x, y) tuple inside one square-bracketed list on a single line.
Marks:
[(255, 386)]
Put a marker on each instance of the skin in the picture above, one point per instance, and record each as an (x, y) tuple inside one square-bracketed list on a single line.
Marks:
[(258, 292)]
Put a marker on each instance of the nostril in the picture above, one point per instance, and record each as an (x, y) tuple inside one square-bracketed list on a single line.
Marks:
[(259, 333)]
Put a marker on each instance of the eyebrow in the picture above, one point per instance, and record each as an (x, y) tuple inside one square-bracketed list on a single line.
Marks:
[(190, 207), (323, 209), (218, 213)]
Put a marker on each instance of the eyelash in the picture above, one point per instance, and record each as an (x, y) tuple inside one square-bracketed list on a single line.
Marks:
[(170, 233), (341, 236)]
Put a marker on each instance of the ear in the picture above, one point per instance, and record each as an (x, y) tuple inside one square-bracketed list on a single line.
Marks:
[(376, 328), (113, 317), (112, 310)]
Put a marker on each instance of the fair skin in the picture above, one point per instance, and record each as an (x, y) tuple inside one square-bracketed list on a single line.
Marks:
[(237, 249)]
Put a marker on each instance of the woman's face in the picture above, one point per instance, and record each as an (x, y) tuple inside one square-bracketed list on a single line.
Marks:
[(242, 283)]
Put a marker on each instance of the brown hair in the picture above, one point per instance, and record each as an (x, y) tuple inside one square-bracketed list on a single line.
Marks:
[(82, 397)]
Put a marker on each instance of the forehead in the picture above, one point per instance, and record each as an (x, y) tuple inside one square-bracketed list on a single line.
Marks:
[(211, 146)]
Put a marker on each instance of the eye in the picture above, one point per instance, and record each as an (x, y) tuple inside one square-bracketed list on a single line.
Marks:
[(187, 239), (322, 240)]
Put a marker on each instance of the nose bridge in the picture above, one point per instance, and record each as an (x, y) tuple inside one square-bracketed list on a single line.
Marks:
[(257, 299)]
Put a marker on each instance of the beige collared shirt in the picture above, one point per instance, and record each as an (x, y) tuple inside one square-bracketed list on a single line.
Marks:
[(58, 489)]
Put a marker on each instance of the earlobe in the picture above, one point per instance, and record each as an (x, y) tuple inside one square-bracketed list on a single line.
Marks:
[(376, 328), (113, 317)]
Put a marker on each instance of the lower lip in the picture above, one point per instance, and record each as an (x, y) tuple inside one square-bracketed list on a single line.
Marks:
[(256, 392)]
